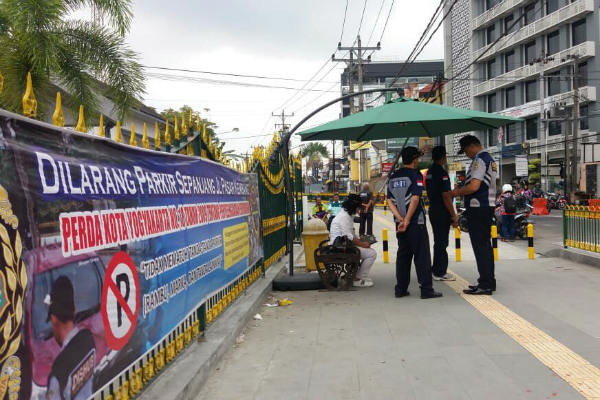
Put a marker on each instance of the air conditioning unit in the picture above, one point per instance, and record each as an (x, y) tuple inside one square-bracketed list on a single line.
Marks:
[(559, 110)]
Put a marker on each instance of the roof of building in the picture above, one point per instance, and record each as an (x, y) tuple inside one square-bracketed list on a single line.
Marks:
[(390, 69)]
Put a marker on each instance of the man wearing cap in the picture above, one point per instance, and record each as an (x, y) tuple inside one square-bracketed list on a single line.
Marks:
[(71, 376), (404, 194), (441, 212), (480, 199)]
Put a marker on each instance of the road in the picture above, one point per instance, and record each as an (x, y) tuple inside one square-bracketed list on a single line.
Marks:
[(537, 337)]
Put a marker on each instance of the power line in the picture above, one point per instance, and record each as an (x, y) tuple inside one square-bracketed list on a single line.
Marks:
[(362, 16), (278, 78), (386, 20), (169, 77), (344, 22), (375, 24)]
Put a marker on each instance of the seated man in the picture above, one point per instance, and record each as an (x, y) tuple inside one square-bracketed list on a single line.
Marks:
[(335, 206), (319, 210), (343, 225)]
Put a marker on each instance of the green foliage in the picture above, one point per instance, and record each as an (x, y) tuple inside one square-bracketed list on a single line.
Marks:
[(86, 58), (315, 150), (535, 171)]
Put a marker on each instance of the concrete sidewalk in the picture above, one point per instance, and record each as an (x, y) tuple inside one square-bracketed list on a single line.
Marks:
[(366, 344)]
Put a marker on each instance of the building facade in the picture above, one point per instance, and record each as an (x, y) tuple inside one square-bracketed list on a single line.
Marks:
[(533, 59)]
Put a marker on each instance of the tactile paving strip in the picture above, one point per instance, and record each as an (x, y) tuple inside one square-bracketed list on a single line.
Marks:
[(570, 366)]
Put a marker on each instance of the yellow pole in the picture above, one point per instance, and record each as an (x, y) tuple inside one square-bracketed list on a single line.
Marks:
[(29, 100), (157, 136), (457, 244), (58, 118), (495, 241), (81, 122), (145, 141), (119, 134), (386, 255), (530, 247), (132, 138), (101, 132)]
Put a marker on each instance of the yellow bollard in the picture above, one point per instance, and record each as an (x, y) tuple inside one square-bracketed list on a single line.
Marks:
[(386, 254), (495, 241), (530, 248), (457, 244)]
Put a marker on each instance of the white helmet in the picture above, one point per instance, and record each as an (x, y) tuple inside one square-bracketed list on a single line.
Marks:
[(507, 187)]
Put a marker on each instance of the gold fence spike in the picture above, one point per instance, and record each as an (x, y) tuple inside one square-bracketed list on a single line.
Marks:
[(167, 135), (81, 121), (132, 138), (29, 100), (156, 136), (145, 141), (190, 120), (184, 128), (176, 133), (58, 117), (204, 136), (197, 120), (1, 82), (101, 132), (119, 134)]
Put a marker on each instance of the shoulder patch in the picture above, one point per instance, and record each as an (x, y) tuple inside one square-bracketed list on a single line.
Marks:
[(494, 166)]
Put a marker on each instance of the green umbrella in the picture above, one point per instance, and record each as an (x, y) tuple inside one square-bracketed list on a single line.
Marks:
[(406, 118)]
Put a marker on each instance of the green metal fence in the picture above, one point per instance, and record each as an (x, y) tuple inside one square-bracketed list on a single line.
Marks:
[(581, 228)]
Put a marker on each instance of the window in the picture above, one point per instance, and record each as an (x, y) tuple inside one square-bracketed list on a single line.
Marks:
[(532, 91), (583, 118), (511, 97), (554, 128), (531, 128), (578, 32), (530, 14), (553, 43), (491, 103), (551, 6), (510, 133), (492, 137), (491, 3), (553, 83), (509, 24), (491, 69), (583, 74), (510, 61), (490, 34), (530, 54)]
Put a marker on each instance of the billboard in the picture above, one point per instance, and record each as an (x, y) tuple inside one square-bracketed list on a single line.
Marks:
[(106, 249)]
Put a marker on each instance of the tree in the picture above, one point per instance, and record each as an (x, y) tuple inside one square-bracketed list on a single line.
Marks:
[(313, 152), (535, 170), (85, 57)]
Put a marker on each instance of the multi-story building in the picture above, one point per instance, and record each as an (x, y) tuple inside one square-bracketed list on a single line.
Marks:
[(505, 55)]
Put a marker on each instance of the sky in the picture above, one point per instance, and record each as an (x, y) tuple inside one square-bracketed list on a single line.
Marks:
[(291, 39)]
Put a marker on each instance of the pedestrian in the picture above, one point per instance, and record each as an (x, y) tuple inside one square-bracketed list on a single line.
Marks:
[(508, 208), (319, 210), (335, 206), (405, 201), (480, 200), (441, 212), (72, 372), (366, 211), (343, 225)]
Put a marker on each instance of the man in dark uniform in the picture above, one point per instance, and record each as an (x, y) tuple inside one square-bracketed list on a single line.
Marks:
[(366, 213), (404, 194), (480, 199), (71, 376), (441, 212)]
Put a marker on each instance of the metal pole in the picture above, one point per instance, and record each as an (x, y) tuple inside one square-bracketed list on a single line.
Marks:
[(574, 179), (543, 128), (333, 175)]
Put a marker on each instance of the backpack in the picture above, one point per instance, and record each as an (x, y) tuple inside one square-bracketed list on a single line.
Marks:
[(510, 205)]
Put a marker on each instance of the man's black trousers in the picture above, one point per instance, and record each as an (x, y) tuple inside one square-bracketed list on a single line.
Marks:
[(479, 222), (413, 243), (366, 219), (440, 224)]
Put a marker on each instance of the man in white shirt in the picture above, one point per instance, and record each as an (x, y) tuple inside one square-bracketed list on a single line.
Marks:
[(343, 225)]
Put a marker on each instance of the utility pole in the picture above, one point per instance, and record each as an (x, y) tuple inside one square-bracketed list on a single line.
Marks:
[(333, 166), (283, 125), (356, 57), (575, 161), (542, 129)]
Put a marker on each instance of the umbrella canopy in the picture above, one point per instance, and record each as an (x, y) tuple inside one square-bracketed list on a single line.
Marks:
[(406, 118)]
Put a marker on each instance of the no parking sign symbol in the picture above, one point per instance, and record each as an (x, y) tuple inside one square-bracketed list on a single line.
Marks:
[(120, 300)]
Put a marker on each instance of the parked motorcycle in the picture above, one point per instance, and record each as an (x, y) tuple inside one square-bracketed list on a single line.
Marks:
[(521, 220)]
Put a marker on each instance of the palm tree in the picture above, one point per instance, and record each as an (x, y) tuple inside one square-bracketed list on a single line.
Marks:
[(314, 152), (84, 57)]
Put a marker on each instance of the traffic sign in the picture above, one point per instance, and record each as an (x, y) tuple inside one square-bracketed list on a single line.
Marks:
[(120, 300)]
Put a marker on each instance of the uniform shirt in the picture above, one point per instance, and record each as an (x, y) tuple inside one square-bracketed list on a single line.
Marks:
[(405, 183), (72, 373), (437, 183), (342, 225), (319, 211), (335, 207), (483, 168)]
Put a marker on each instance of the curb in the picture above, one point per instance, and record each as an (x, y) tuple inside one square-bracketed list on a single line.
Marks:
[(184, 378), (573, 255)]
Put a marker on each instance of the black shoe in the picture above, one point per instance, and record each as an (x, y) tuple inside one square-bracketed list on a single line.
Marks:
[(403, 294), (478, 291), (473, 287), (431, 295)]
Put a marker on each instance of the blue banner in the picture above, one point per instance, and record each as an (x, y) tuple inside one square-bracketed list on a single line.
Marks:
[(107, 248)]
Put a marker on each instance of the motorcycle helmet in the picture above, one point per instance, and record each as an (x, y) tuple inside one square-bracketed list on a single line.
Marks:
[(507, 187)]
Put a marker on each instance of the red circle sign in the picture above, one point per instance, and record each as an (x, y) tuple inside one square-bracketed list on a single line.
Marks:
[(120, 300)]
